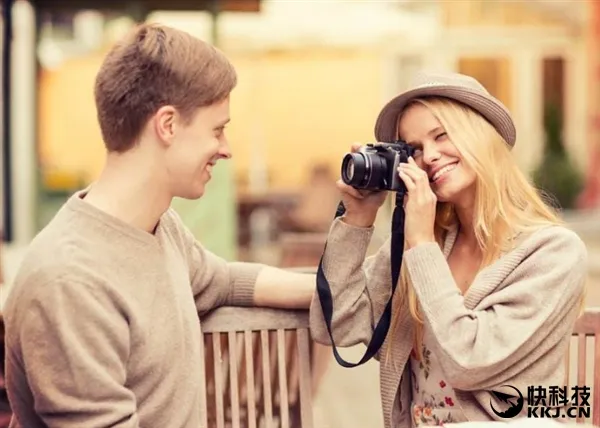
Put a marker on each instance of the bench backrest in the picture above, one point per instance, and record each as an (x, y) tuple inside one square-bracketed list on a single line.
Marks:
[(258, 368), (584, 352)]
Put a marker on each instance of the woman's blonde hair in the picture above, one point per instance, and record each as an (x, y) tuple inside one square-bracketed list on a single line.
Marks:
[(506, 203)]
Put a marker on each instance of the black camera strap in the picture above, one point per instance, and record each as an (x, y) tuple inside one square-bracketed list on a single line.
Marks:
[(381, 330)]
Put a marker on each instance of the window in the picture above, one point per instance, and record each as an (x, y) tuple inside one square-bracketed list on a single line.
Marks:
[(553, 85)]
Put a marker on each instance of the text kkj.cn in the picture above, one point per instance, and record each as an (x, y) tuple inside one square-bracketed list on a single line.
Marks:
[(558, 402)]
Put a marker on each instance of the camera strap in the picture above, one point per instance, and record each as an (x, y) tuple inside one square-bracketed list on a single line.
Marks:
[(381, 330)]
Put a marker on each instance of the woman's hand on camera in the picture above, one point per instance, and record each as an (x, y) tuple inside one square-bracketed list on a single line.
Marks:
[(361, 205), (420, 204)]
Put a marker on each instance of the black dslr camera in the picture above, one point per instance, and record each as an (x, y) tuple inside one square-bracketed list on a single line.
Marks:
[(376, 167)]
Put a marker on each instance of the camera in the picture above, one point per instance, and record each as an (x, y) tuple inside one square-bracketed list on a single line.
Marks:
[(376, 166)]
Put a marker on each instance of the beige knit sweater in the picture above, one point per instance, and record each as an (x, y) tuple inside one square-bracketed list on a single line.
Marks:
[(102, 325), (511, 327)]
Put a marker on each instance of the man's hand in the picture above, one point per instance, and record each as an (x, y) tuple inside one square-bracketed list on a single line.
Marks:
[(279, 288)]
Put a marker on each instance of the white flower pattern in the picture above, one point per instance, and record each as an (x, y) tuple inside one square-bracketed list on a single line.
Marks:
[(433, 400)]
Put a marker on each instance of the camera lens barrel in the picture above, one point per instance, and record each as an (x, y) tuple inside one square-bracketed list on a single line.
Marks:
[(355, 169), (374, 168)]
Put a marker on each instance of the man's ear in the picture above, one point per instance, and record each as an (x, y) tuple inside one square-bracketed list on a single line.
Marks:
[(165, 124)]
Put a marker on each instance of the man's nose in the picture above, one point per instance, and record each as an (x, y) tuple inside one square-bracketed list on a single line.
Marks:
[(225, 150)]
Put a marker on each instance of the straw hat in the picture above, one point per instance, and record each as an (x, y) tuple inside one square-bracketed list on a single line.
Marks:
[(458, 87)]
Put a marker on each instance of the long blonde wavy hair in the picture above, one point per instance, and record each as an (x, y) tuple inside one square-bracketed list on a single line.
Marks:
[(506, 202)]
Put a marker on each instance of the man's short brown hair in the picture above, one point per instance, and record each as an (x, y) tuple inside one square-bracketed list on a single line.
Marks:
[(155, 66)]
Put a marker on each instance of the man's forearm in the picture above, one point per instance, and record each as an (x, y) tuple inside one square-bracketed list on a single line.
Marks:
[(278, 288)]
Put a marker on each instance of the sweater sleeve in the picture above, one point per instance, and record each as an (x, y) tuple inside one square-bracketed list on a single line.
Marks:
[(75, 347), (215, 281), (542, 286), (360, 288)]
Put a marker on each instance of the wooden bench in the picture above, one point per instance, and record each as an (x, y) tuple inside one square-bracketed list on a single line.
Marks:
[(587, 329), (258, 368), (268, 380)]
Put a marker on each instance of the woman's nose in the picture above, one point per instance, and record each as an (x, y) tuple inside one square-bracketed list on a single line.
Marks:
[(430, 154)]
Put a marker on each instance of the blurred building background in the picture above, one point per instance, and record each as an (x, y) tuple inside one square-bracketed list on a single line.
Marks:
[(312, 78)]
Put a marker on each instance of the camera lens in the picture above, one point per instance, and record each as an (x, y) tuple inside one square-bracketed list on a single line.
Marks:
[(354, 169), (350, 169)]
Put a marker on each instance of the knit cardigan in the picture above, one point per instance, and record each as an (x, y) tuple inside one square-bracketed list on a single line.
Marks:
[(511, 327)]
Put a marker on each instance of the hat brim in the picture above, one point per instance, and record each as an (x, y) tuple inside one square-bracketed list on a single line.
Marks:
[(492, 110)]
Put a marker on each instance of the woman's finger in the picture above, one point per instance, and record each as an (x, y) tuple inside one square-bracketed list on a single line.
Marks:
[(408, 181), (417, 174), (349, 190), (413, 162), (412, 166)]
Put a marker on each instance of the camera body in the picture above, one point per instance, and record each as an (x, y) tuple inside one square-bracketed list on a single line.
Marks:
[(376, 166)]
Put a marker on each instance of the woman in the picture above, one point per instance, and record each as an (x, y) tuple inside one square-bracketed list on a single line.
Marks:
[(491, 282)]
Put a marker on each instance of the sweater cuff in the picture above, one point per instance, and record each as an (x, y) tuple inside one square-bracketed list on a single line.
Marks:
[(430, 276), (347, 244), (243, 280)]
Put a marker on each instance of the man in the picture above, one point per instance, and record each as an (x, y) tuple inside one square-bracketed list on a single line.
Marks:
[(102, 322)]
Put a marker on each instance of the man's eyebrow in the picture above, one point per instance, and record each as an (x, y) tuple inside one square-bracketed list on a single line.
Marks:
[(223, 123)]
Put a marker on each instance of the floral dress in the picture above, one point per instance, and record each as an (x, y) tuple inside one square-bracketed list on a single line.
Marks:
[(433, 400)]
